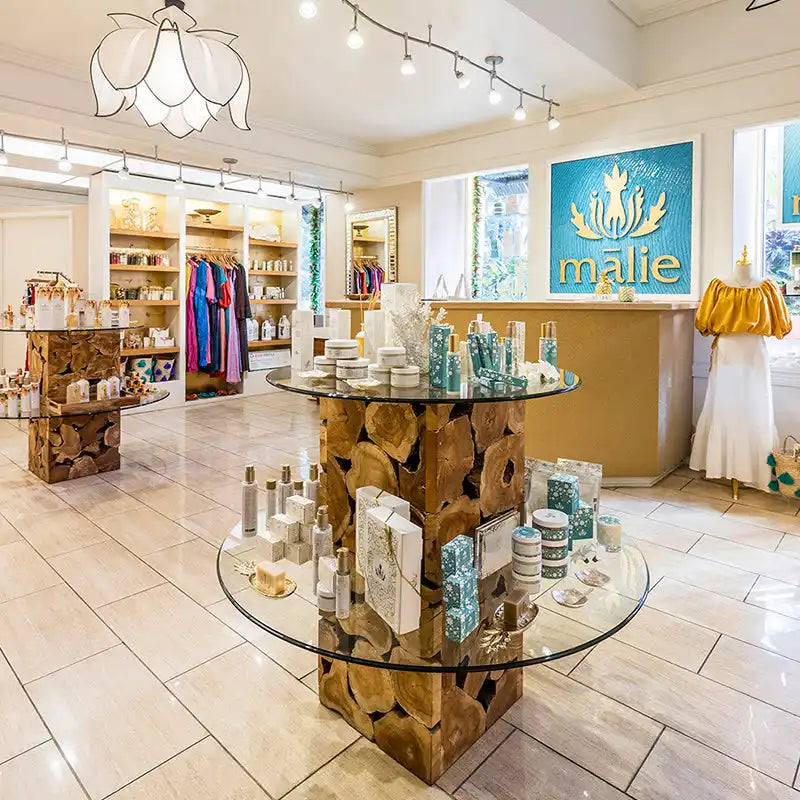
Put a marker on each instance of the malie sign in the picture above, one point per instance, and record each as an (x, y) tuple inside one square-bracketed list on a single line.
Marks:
[(625, 216), (791, 173)]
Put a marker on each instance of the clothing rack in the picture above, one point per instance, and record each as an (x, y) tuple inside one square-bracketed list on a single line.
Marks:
[(224, 250)]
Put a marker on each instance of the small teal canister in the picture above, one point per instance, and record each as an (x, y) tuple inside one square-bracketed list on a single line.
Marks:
[(548, 344), (454, 364), (437, 344)]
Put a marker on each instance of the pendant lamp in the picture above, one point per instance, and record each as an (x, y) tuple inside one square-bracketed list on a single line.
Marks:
[(172, 73)]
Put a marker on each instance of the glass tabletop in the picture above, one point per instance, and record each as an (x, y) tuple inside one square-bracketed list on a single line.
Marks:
[(71, 330), (145, 400), (470, 391), (557, 631)]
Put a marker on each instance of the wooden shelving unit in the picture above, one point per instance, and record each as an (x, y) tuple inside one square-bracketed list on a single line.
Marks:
[(284, 302), (276, 245), (145, 234), (214, 228), (271, 273), (133, 352), (145, 303), (269, 345), (372, 239), (143, 268)]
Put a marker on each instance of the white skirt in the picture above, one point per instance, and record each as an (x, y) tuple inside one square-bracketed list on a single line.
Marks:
[(736, 430)]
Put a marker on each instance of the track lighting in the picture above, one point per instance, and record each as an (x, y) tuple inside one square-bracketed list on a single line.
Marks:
[(355, 41), (3, 156), (220, 187), (407, 67), (463, 80), (520, 114), (179, 185), (64, 164), (348, 204), (124, 173), (494, 94), (260, 191), (552, 122), (308, 9)]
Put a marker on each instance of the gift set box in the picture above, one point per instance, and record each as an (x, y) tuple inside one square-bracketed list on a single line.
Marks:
[(563, 493), (462, 613), (368, 497)]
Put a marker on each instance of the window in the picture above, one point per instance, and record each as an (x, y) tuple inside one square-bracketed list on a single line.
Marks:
[(476, 236), (312, 258)]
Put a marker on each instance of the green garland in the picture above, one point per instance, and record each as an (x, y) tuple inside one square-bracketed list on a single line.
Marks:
[(314, 250), (477, 219)]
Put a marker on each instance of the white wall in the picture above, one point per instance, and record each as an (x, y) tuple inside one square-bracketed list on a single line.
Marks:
[(446, 228)]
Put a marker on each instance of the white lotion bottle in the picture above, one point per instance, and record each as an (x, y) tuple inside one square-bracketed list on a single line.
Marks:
[(311, 487), (272, 499), (285, 488), (342, 583), (249, 502), (321, 543)]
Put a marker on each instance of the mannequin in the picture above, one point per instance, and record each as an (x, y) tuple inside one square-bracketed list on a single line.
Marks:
[(736, 430)]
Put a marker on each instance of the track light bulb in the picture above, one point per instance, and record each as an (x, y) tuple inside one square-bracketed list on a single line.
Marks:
[(355, 41), (552, 122), (64, 164), (179, 185), (520, 115), (495, 97), (463, 79), (407, 67), (124, 173), (220, 187), (308, 9), (348, 204)]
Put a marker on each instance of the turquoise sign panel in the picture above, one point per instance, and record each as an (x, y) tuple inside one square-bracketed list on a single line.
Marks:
[(791, 173), (626, 216)]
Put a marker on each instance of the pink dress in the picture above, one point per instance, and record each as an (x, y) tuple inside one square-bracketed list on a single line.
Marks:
[(191, 326)]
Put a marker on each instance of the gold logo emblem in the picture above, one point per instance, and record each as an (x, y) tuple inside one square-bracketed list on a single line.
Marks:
[(621, 215)]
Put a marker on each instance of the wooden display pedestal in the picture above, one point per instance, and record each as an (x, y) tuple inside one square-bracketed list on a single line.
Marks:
[(459, 465)]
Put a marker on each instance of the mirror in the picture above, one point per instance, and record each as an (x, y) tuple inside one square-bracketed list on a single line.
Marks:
[(371, 251)]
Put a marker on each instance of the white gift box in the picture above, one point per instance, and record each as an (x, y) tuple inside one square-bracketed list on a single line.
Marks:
[(392, 569), (493, 544), (301, 509), (374, 333), (302, 339), (590, 479), (282, 526), (368, 497)]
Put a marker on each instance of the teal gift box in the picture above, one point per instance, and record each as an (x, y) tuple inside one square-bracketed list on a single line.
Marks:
[(461, 589), (581, 524), (460, 624), (457, 555), (563, 493), (438, 338)]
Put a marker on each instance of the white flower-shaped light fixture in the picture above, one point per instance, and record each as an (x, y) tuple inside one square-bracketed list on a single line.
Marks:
[(172, 74)]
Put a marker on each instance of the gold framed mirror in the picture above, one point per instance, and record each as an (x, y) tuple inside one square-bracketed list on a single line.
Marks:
[(371, 251)]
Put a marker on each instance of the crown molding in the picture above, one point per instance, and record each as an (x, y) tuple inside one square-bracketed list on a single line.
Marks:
[(262, 125), (665, 11)]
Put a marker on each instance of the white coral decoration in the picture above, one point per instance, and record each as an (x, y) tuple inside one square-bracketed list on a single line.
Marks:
[(539, 373), (410, 327), (173, 75)]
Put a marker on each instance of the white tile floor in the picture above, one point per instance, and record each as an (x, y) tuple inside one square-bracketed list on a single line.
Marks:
[(125, 672)]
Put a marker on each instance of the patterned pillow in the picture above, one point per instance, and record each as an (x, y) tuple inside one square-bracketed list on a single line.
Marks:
[(164, 368)]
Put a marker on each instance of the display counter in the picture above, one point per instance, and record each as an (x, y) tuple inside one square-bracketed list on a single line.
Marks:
[(634, 414)]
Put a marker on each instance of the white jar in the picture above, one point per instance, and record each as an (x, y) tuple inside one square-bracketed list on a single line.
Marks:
[(405, 377), (392, 356)]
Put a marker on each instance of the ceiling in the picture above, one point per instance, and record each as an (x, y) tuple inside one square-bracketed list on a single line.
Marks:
[(643, 12), (304, 75)]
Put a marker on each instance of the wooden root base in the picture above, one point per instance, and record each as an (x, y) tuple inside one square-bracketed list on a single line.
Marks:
[(64, 448), (459, 466)]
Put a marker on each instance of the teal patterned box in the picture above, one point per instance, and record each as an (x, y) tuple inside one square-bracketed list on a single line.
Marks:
[(563, 493), (581, 524), (461, 589), (460, 624), (457, 555), (438, 339)]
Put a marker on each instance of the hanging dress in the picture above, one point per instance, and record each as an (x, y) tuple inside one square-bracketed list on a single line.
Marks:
[(191, 327), (201, 314), (736, 430)]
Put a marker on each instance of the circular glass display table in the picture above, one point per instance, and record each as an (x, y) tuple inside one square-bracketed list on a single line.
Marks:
[(405, 472)]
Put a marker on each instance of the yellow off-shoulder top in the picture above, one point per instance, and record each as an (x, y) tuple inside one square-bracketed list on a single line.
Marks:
[(760, 310)]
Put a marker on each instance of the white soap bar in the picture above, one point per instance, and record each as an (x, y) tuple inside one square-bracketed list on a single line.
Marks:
[(272, 582), (285, 528), (392, 356), (301, 509), (405, 377)]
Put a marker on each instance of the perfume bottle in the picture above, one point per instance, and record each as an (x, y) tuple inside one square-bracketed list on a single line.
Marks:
[(548, 344), (297, 488), (342, 583), (311, 487), (285, 488), (360, 339), (453, 364), (272, 498), (249, 502), (321, 543)]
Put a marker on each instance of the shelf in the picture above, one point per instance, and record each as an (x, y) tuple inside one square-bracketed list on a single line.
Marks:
[(270, 344), (276, 245), (142, 268), (272, 273), (147, 351), (142, 303), (376, 240), (145, 234), (273, 302), (202, 226)]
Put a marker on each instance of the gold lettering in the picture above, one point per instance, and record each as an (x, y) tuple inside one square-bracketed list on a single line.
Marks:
[(645, 277), (612, 262), (796, 207), (578, 265), (631, 264), (665, 262)]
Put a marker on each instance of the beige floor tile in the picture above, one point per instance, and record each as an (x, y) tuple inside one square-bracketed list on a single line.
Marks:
[(721, 527), (749, 669), (174, 501), (674, 481), (48, 630), (167, 630), (192, 568), (135, 477), (203, 772), (594, 731), (22, 571), (21, 726), (144, 531), (677, 497), (213, 526), (57, 532), (764, 519), (649, 529), (556, 633), (614, 500), (524, 769), (216, 458), (750, 498), (762, 628), (681, 768), (668, 637), (104, 573), (773, 565), (8, 533), (98, 500), (776, 596), (272, 724), (748, 730), (113, 720), (19, 502), (363, 772), (789, 545), (475, 756), (40, 773)]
